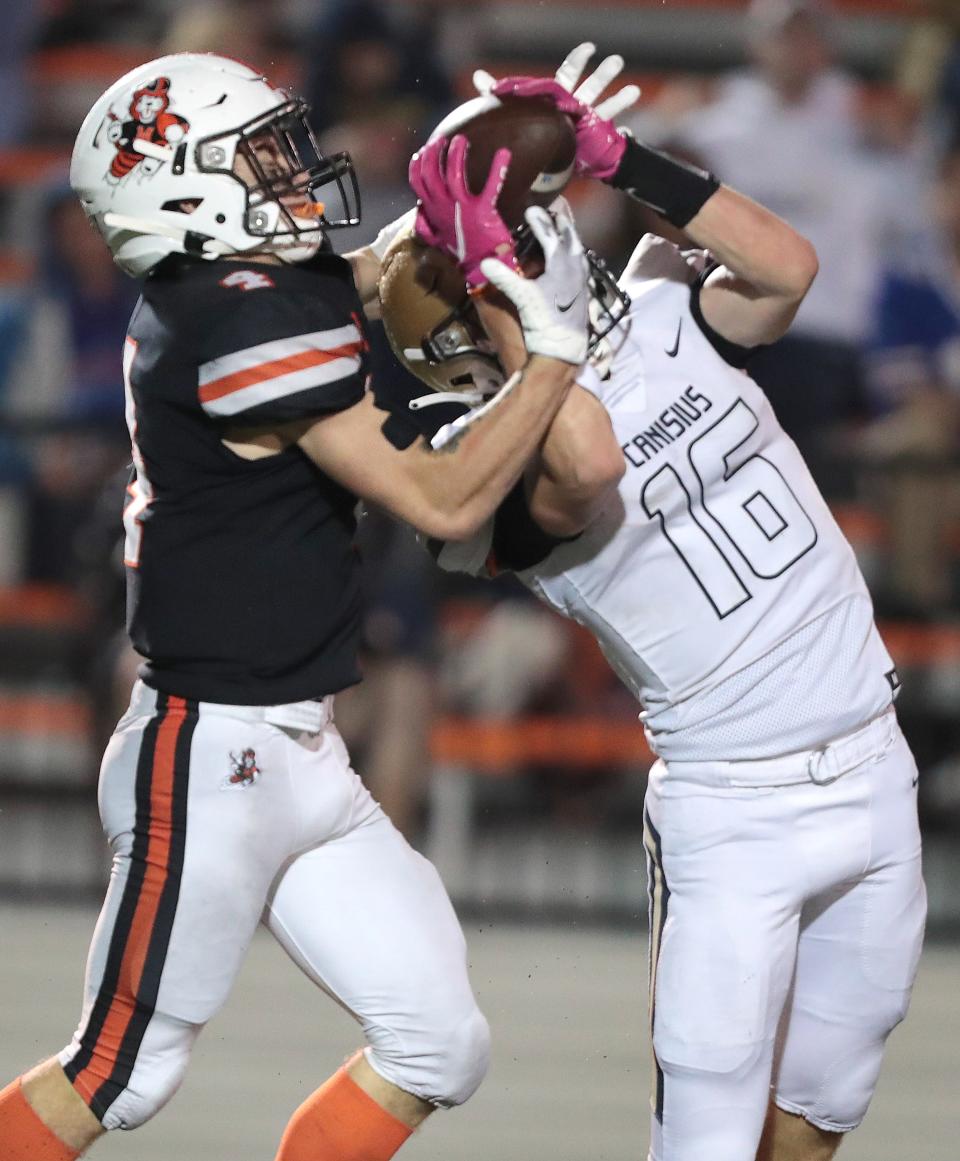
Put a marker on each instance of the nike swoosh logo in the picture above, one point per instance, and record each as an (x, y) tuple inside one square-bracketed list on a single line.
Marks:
[(672, 351), (564, 309)]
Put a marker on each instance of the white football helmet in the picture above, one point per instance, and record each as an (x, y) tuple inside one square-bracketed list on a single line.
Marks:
[(199, 154)]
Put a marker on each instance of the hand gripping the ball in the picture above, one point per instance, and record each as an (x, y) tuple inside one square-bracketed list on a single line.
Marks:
[(600, 144), (454, 219), (553, 307)]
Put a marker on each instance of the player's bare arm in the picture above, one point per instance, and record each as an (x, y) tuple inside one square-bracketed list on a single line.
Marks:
[(579, 461), (579, 465), (365, 264), (446, 494), (766, 266)]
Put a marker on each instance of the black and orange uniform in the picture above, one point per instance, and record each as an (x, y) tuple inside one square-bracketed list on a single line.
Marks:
[(226, 792), (243, 578)]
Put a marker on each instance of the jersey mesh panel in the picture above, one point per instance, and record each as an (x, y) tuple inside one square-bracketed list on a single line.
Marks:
[(826, 679)]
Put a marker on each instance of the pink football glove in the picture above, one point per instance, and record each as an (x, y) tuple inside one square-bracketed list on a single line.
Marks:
[(600, 144), (455, 220)]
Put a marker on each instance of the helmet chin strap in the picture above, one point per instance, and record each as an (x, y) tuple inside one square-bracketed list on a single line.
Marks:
[(208, 247), (468, 398), (202, 246)]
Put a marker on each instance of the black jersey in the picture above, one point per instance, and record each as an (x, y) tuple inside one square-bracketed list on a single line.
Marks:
[(243, 581)]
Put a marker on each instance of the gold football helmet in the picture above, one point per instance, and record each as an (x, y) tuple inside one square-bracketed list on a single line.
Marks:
[(433, 325), (436, 333)]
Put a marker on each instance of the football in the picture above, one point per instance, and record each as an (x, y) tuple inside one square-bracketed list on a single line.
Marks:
[(541, 141)]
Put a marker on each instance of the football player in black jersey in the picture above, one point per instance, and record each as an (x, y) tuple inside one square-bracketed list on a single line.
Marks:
[(226, 793)]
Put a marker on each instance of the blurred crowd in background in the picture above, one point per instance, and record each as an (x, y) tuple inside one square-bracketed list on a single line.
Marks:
[(845, 121)]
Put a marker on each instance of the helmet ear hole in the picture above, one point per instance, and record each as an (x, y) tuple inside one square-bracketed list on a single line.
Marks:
[(182, 205)]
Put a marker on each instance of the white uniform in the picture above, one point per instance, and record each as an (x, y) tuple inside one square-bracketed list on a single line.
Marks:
[(781, 817), (221, 817)]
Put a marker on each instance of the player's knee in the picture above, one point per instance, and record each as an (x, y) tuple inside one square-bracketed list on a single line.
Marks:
[(444, 1064), (464, 1059), (157, 1073), (698, 1056), (890, 1012), (143, 1099)]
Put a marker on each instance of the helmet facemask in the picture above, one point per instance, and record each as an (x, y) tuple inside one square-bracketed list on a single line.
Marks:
[(278, 161), (459, 359)]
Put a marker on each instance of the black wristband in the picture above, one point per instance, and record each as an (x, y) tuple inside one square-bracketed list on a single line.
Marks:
[(672, 188)]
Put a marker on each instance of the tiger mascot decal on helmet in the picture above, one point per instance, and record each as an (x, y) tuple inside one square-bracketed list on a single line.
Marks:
[(151, 123)]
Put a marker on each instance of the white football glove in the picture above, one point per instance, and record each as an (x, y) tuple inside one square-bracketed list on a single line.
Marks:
[(381, 243), (553, 307)]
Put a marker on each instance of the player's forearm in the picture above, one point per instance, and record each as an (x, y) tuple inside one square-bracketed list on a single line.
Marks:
[(761, 249), (462, 484), (580, 464), (756, 245)]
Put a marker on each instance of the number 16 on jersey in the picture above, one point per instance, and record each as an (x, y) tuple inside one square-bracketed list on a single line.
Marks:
[(734, 517)]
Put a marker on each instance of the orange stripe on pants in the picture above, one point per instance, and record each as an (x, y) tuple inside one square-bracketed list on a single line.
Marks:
[(123, 1004)]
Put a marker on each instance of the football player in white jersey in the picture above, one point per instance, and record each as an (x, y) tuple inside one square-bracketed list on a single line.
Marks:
[(786, 898)]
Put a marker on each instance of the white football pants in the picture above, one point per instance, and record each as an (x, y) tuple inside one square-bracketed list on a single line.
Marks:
[(786, 919), (221, 817)]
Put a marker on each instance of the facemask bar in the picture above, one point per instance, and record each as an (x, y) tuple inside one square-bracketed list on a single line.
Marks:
[(459, 337), (460, 333), (610, 304), (285, 135)]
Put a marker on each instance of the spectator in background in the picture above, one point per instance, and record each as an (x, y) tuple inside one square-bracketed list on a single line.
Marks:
[(21, 21), (386, 719), (914, 379), (66, 379), (376, 85), (928, 72), (246, 30), (785, 131), (69, 366), (71, 22)]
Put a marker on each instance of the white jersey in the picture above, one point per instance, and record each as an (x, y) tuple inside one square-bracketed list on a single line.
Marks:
[(716, 581)]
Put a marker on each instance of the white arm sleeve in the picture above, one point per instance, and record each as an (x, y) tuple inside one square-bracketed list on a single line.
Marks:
[(391, 230)]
